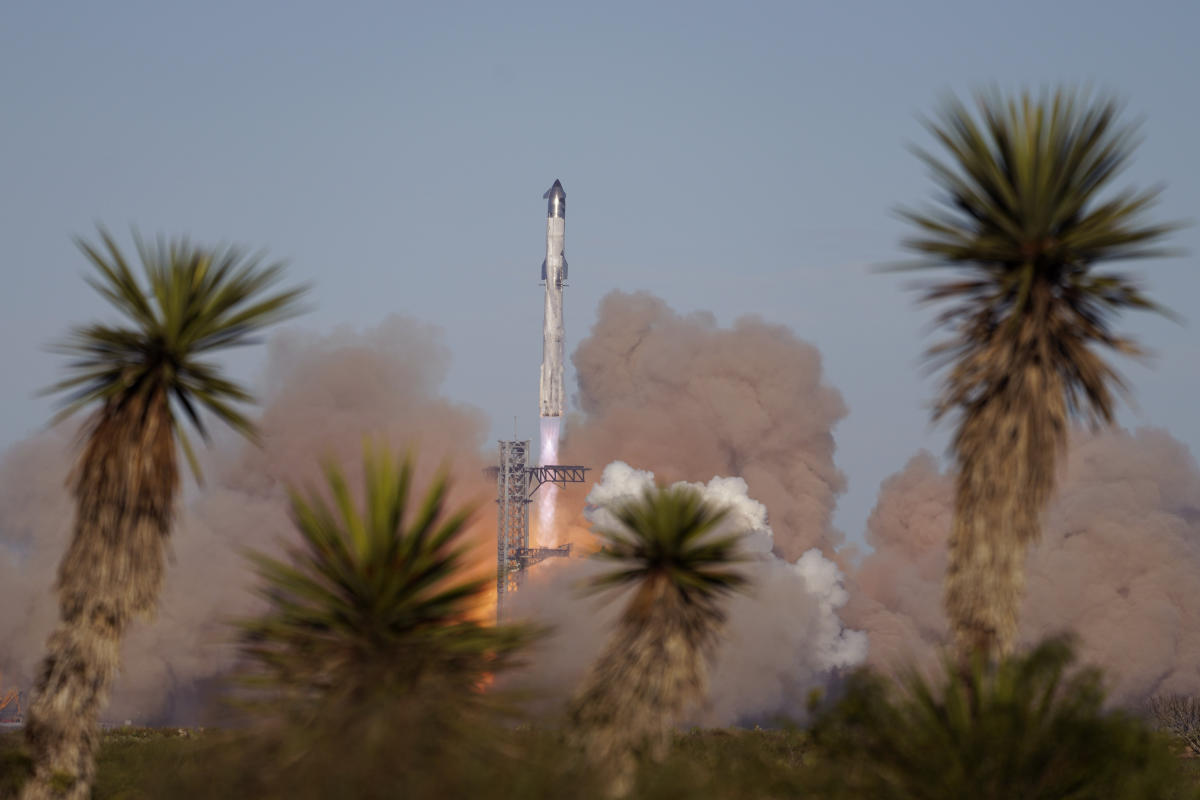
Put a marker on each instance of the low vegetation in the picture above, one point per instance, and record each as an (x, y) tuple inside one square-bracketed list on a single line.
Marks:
[(1033, 727), (727, 764), (1179, 716), (141, 764)]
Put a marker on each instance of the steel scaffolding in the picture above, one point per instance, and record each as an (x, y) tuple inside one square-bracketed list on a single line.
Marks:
[(516, 482)]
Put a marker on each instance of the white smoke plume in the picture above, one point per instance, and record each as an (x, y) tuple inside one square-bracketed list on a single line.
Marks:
[(783, 638)]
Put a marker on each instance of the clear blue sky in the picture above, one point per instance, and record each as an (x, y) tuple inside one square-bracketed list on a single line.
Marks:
[(734, 157)]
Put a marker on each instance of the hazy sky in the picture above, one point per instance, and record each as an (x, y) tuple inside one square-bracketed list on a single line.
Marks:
[(740, 158)]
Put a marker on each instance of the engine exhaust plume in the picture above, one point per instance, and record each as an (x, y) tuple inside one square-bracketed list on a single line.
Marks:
[(547, 496)]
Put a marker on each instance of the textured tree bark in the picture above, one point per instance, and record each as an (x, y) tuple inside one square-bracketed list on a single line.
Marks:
[(652, 669), (124, 486), (985, 579), (1007, 450)]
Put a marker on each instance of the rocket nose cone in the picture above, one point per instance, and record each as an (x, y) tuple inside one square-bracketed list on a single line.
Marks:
[(557, 200)]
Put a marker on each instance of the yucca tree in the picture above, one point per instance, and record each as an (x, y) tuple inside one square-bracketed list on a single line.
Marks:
[(1027, 220), (144, 378), (669, 547), (368, 666), (375, 599)]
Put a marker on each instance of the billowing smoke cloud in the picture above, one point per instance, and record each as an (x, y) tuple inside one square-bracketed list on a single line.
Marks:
[(783, 638), (688, 400), (1119, 563), (323, 395)]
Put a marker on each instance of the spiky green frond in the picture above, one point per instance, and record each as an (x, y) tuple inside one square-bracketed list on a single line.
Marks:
[(1033, 726), (194, 301), (376, 589), (1026, 210), (672, 533)]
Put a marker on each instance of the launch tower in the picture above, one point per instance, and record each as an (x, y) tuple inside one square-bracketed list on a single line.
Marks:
[(516, 483)]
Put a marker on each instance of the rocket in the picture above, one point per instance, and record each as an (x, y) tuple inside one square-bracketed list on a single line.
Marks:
[(554, 274)]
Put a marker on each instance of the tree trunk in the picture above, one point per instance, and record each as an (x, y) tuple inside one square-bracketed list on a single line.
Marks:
[(985, 579), (654, 667), (1007, 450), (124, 488)]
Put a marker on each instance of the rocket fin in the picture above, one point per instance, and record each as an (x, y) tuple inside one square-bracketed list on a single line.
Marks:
[(543, 269), (564, 268)]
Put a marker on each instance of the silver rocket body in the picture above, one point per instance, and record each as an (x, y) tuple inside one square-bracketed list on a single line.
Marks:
[(554, 273)]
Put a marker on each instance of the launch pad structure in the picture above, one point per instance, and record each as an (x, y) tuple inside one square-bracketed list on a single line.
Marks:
[(516, 483)]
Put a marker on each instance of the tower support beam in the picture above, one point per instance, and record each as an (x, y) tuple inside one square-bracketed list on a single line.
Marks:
[(516, 482)]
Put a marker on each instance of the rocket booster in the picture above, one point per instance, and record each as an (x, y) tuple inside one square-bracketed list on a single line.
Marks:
[(554, 274)]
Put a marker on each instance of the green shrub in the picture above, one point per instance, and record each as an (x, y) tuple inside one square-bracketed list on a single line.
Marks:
[(1029, 728), (15, 764)]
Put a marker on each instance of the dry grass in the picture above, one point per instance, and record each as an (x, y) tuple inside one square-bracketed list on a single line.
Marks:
[(140, 763)]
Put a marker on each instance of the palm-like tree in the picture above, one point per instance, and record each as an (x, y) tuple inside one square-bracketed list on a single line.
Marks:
[(669, 547), (377, 599), (1026, 219), (143, 378)]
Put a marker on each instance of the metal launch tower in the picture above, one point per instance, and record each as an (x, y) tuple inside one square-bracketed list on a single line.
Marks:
[(516, 483)]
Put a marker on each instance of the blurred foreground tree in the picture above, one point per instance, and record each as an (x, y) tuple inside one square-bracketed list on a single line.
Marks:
[(371, 657), (1030, 726), (141, 376), (669, 548), (1026, 222), (375, 598)]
